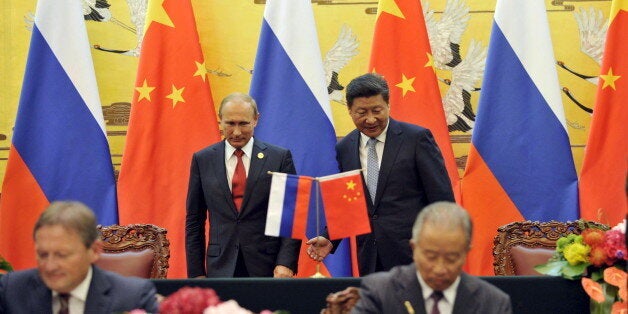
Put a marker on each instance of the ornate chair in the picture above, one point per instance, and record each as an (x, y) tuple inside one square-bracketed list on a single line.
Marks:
[(519, 246), (140, 250), (342, 302)]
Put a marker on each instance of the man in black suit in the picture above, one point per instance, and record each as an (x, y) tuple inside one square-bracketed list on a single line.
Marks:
[(409, 174), (67, 245), (236, 204), (434, 283)]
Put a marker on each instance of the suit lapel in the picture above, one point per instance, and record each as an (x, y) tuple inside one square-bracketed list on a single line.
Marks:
[(394, 140), (218, 153), (258, 160), (353, 162), (465, 302), (40, 294), (98, 298), (408, 289)]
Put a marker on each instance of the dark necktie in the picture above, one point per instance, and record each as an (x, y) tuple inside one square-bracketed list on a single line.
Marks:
[(372, 168), (64, 308), (436, 297), (238, 182)]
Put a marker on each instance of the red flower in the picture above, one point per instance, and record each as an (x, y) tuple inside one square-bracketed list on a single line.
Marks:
[(189, 300), (593, 237), (615, 245), (598, 256)]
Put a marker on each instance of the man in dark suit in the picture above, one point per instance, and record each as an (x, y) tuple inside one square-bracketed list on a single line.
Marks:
[(405, 172), (235, 204), (434, 283), (67, 245)]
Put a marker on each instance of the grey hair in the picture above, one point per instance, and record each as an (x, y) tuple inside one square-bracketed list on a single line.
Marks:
[(446, 215), (71, 215), (242, 97)]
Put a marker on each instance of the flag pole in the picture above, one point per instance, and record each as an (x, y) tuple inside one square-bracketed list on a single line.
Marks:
[(317, 187)]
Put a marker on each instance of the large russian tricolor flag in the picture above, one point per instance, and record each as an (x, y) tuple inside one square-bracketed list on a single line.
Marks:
[(520, 164), (59, 148), (290, 89)]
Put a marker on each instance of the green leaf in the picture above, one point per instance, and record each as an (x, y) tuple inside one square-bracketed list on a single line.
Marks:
[(574, 271), (551, 268)]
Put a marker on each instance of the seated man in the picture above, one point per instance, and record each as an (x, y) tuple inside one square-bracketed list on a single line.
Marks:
[(66, 281), (434, 283)]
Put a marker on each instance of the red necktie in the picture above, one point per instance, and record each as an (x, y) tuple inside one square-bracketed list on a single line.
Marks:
[(238, 182), (436, 296), (64, 308)]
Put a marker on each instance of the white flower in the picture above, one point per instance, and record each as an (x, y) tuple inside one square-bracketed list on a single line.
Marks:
[(229, 307), (621, 227)]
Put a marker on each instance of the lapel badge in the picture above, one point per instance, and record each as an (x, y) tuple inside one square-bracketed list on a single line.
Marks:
[(260, 155)]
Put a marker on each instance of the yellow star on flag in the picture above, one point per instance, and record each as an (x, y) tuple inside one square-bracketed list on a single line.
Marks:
[(390, 7), (430, 61), (176, 95), (157, 13), (144, 91), (351, 185), (609, 79), (201, 70), (406, 84)]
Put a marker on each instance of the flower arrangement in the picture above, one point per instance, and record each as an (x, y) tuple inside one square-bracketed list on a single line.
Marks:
[(195, 300), (598, 258)]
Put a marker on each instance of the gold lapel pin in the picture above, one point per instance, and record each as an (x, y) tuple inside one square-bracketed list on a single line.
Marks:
[(260, 155)]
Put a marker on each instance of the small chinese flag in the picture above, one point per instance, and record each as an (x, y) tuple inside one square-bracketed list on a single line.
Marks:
[(345, 204)]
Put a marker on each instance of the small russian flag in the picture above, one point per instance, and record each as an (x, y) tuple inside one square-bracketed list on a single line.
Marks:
[(288, 205)]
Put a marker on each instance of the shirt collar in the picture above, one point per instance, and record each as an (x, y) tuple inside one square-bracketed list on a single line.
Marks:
[(80, 292), (449, 293), (381, 138), (247, 149)]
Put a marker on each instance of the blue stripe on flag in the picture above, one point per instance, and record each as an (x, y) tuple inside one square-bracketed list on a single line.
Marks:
[(291, 114), (521, 140), (59, 139), (289, 204)]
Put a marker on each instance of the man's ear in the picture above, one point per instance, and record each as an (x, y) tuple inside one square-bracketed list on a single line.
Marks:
[(96, 249)]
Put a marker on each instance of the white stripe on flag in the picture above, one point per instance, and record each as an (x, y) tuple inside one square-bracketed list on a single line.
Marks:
[(510, 15), (275, 204)]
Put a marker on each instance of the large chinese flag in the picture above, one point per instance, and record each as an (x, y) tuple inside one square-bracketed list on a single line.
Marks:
[(401, 53), (603, 176), (172, 116)]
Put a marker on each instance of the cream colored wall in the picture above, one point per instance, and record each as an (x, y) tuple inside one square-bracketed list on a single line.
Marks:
[(229, 31)]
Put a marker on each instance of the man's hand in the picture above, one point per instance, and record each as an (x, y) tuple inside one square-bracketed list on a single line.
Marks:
[(282, 272), (319, 248)]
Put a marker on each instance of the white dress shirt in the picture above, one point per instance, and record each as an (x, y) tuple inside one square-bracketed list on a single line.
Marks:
[(231, 160), (78, 296), (446, 304), (379, 148)]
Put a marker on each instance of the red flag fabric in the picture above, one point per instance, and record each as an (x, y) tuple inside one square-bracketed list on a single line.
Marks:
[(603, 175), (172, 116), (345, 204), (401, 53)]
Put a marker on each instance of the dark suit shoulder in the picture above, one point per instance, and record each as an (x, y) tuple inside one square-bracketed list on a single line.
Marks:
[(210, 148), (265, 145), (407, 127)]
